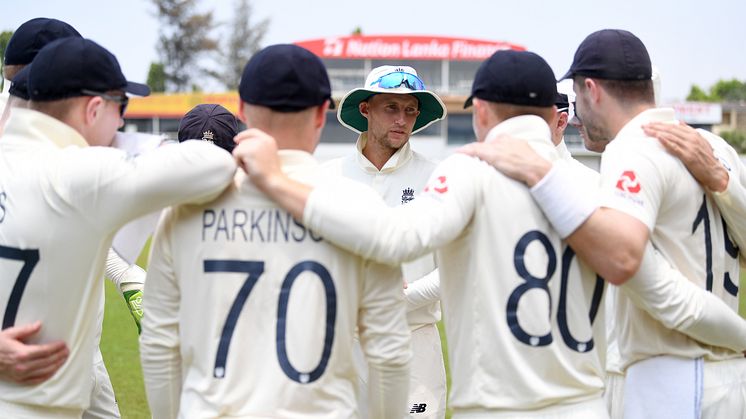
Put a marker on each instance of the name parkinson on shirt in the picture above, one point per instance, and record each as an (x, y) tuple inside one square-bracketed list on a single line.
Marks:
[(256, 225)]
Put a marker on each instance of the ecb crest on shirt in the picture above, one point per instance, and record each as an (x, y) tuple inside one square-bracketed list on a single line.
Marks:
[(407, 195)]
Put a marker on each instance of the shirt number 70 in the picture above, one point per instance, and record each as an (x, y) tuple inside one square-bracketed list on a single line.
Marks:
[(255, 269)]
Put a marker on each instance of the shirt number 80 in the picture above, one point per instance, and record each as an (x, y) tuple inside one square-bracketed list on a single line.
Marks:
[(533, 282)]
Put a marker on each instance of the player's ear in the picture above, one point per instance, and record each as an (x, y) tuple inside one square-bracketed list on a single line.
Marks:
[(480, 111), (593, 88), (562, 123), (241, 108), (320, 117), (364, 108), (94, 106)]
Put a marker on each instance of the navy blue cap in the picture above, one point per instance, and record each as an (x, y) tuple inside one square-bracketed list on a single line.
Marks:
[(66, 67), (561, 101), (32, 36), (514, 77), (19, 84), (285, 78), (611, 54), (209, 122)]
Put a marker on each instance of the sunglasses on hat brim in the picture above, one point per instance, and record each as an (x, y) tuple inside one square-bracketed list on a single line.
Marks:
[(398, 78), (122, 100)]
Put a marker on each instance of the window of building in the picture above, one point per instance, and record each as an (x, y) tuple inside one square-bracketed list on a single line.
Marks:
[(334, 132), (169, 126), (434, 130), (138, 125), (573, 140), (345, 75), (461, 75), (460, 130)]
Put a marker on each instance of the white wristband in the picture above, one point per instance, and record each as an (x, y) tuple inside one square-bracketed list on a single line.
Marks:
[(563, 201)]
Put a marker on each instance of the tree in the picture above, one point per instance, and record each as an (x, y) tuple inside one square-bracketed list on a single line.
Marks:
[(157, 77), (183, 39), (729, 90), (4, 39), (243, 41), (723, 91), (696, 94), (737, 139)]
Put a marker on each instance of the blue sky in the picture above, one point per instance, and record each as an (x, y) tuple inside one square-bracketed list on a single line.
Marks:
[(689, 41)]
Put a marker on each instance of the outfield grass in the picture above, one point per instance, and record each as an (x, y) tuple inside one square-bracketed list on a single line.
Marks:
[(122, 358), (119, 347)]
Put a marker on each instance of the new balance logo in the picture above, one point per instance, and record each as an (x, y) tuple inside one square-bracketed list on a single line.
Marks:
[(418, 408)]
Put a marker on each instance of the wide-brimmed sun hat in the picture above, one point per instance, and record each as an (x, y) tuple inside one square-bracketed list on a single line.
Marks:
[(391, 79)]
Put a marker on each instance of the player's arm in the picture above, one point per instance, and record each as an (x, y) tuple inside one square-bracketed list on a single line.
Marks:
[(385, 340), (715, 165), (129, 280), (129, 187), (29, 363), (362, 222), (159, 341), (573, 212), (423, 291), (665, 294), (655, 287)]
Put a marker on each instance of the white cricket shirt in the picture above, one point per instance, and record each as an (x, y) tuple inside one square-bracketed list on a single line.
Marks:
[(398, 182), (250, 314), (643, 180), (516, 303), (60, 204)]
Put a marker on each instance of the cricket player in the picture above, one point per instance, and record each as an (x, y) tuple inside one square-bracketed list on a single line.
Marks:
[(649, 195), (278, 304), (62, 202), (671, 289), (209, 122), (23, 46), (392, 105), (517, 305)]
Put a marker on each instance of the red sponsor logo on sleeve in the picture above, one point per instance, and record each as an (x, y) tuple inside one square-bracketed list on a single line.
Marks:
[(628, 182), (440, 185)]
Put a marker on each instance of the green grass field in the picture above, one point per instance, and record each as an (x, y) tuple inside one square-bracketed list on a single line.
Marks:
[(119, 347)]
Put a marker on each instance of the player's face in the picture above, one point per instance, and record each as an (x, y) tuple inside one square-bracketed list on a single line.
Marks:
[(594, 133), (107, 123), (391, 118)]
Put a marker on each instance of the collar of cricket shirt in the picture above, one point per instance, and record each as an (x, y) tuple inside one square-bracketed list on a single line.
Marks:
[(633, 128), (562, 150), (530, 128), (39, 126), (397, 160)]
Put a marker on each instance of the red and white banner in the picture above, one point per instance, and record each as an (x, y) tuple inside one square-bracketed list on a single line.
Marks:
[(405, 47), (702, 113)]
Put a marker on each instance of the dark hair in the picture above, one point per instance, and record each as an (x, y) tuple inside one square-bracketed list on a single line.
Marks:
[(626, 91)]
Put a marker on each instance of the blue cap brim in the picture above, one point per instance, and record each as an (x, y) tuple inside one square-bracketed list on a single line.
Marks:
[(138, 89), (570, 73)]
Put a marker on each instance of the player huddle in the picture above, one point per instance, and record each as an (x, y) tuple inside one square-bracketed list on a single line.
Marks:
[(282, 287)]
